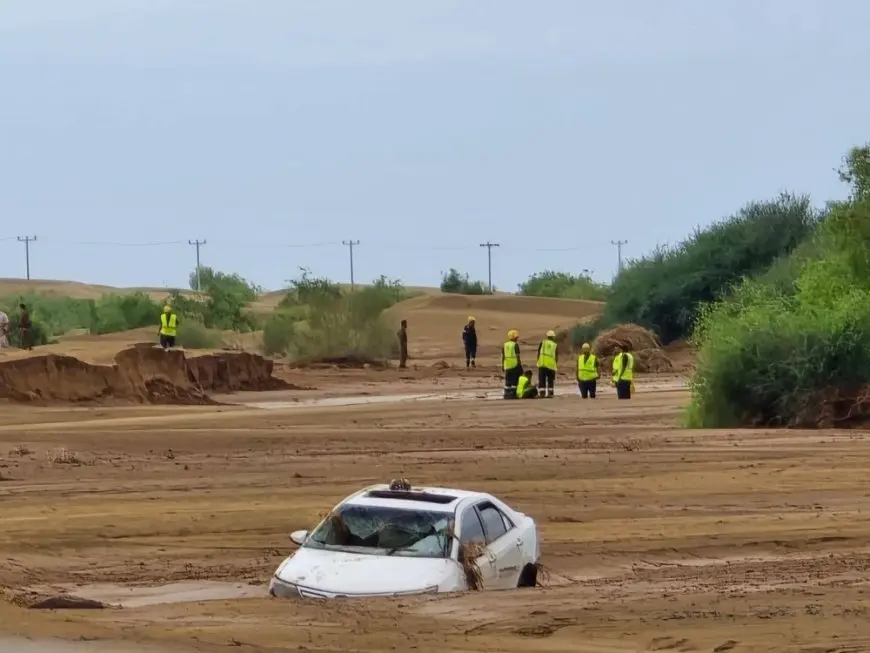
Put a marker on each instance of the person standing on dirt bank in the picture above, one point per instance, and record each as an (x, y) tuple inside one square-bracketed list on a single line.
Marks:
[(168, 328), (403, 343), (469, 341), (548, 358), (587, 372), (511, 364), (623, 371), (4, 330), (25, 328)]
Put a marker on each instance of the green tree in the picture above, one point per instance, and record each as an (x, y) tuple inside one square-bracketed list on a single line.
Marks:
[(460, 284), (564, 285), (792, 347), (307, 289), (664, 291), (225, 302)]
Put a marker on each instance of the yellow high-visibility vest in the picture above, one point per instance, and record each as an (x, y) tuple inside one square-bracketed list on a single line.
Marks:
[(547, 357), (511, 360), (522, 384), (623, 367), (168, 324), (586, 370)]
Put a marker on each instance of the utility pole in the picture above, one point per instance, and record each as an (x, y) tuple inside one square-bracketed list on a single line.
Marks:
[(489, 247), (27, 240), (350, 244), (619, 244), (197, 244)]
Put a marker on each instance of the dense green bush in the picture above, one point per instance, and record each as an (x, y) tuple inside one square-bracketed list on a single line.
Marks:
[(318, 321), (223, 304), (564, 285), (460, 284), (792, 347), (116, 312), (195, 335), (38, 333), (52, 315), (664, 291)]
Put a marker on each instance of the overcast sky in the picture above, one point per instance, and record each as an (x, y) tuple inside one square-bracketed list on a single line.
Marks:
[(275, 129)]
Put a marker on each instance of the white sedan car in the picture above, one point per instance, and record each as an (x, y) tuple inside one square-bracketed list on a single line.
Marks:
[(391, 540)]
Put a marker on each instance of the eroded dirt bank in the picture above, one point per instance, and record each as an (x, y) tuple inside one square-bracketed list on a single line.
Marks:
[(145, 375)]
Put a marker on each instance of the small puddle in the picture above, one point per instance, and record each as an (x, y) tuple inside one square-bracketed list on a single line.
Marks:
[(183, 592)]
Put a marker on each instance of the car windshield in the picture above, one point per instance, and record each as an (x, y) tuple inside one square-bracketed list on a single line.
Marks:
[(384, 531)]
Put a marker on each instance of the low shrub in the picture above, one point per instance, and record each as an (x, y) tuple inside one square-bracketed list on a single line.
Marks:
[(563, 285), (317, 321), (461, 284), (195, 335), (38, 333), (116, 312), (279, 331)]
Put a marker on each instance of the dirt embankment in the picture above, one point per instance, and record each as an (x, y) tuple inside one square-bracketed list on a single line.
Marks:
[(145, 375)]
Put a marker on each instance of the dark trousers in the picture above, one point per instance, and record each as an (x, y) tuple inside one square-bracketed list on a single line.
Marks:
[(511, 378), (167, 342), (587, 388), (24, 339), (623, 389), (530, 392), (546, 381), (470, 355), (403, 356)]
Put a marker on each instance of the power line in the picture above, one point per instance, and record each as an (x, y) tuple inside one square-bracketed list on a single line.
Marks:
[(350, 245), (197, 244), (27, 240), (619, 244), (273, 245), (489, 247)]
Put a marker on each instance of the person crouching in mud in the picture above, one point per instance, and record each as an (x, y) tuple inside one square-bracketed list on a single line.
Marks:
[(525, 388)]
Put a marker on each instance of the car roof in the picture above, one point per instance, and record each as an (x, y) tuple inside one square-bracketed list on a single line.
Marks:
[(434, 499)]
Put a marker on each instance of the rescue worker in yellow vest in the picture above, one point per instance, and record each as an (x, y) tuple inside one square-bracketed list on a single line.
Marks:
[(623, 372), (587, 372), (168, 328), (511, 364), (548, 358), (525, 388)]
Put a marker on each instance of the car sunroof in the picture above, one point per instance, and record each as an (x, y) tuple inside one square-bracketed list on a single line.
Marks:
[(425, 497)]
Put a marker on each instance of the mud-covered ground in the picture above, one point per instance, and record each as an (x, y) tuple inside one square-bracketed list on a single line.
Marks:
[(656, 538)]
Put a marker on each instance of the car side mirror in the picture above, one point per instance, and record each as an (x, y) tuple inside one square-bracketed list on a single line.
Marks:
[(298, 537)]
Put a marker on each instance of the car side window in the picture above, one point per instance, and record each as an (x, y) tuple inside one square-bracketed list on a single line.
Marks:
[(493, 522), (470, 528)]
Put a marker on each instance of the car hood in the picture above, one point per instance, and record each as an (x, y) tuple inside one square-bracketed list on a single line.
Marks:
[(354, 573)]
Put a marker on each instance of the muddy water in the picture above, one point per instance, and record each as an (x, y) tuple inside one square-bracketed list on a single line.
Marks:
[(183, 592), (462, 395), (375, 399), (21, 645)]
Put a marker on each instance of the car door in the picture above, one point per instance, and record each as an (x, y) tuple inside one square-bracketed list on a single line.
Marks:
[(504, 543), (471, 530)]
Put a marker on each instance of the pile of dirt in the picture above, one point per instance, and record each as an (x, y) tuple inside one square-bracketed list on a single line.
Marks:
[(648, 353), (145, 375)]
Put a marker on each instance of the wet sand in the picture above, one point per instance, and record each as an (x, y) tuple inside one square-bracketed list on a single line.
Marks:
[(656, 538)]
